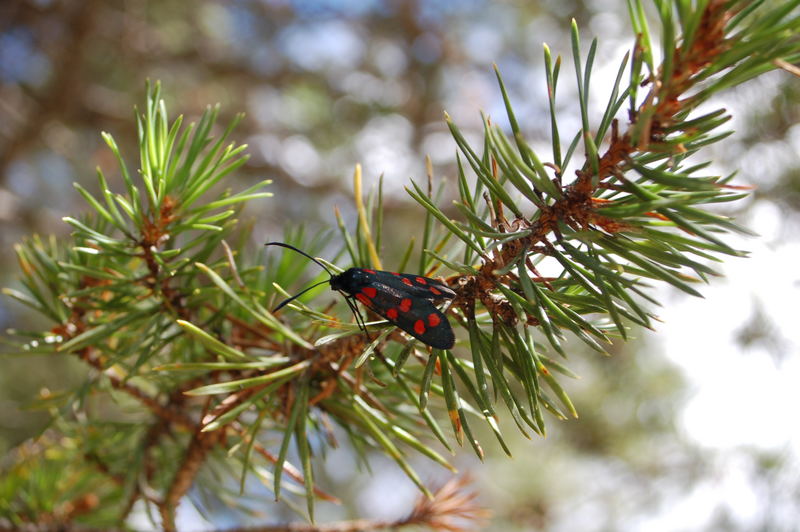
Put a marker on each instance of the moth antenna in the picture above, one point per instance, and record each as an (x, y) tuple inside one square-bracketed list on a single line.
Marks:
[(287, 246), (289, 300)]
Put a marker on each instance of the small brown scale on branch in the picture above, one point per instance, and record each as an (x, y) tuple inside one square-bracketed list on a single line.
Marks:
[(331, 360), (154, 234), (709, 42)]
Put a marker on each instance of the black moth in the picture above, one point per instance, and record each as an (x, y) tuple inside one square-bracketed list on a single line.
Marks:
[(405, 300)]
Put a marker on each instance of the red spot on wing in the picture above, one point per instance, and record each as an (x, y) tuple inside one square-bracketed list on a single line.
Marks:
[(405, 305), (370, 271), (434, 319), (395, 273), (407, 281), (370, 291), (435, 291), (391, 313), (421, 280), (364, 299), (419, 327)]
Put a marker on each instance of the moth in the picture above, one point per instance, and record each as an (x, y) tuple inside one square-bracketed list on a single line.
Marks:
[(405, 300)]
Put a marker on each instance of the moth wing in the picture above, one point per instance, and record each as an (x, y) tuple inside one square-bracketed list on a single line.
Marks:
[(414, 315), (416, 285)]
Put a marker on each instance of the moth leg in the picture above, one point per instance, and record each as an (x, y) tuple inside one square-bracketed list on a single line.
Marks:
[(359, 318)]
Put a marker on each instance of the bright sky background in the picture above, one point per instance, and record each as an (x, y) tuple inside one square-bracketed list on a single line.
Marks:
[(742, 399)]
